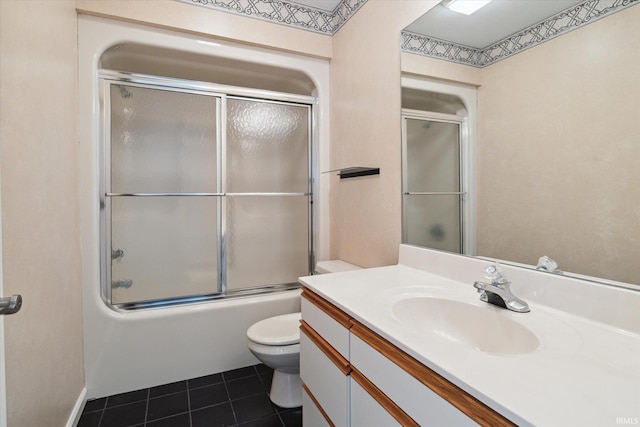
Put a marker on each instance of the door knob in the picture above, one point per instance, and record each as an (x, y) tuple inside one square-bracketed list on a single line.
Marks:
[(10, 305)]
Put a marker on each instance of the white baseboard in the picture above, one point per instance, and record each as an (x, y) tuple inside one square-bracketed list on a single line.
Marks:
[(74, 417)]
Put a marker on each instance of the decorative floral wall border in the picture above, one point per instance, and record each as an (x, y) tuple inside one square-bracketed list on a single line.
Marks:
[(574, 17), (283, 12)]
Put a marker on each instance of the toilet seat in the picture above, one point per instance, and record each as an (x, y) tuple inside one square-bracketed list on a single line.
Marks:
[(276, 331)]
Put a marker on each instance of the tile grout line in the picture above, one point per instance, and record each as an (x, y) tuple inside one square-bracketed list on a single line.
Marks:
[(146, 409), (104, 408), (189, 404), (225, 377), (268, 391), (233, 411)]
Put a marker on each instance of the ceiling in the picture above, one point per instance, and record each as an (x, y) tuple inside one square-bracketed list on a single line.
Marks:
[(494, 22)]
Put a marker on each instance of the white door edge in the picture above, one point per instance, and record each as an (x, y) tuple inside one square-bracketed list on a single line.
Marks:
[(3, 382)]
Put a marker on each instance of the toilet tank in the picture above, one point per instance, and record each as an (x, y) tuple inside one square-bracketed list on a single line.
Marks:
[(334, 266)]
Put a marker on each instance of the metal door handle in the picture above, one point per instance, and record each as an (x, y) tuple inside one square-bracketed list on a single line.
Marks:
[(10, 305)]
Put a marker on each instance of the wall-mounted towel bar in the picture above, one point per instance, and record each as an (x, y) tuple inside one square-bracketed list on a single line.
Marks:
[(355, 171), (434, 193)]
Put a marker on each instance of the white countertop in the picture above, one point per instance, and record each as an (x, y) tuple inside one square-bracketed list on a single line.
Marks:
[(582, 372)]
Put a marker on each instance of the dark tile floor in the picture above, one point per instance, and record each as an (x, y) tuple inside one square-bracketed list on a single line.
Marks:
[(233, 398)]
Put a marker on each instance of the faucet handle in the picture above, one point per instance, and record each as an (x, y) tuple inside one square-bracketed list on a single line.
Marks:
[(547, 264), (493, 273)]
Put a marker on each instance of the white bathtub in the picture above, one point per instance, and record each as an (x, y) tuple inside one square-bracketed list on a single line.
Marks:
[(127, 351)]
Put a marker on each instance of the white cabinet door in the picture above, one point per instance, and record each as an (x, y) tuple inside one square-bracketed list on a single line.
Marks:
[(326, 382), (417, 401), (366, 412), (329, 328), (311, 414)]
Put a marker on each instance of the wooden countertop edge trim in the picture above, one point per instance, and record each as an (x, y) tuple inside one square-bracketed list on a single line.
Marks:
[(383, 400), (317, 404), (462, 400), (325, 347), (335, 313)]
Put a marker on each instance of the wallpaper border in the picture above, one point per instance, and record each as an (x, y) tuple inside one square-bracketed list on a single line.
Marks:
[(570, 19), (285, 13)]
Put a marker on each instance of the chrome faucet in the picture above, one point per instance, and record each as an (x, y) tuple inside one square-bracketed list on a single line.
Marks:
[(498, 291)]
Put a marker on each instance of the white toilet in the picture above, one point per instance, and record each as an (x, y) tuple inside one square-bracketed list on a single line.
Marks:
[(276, 343)]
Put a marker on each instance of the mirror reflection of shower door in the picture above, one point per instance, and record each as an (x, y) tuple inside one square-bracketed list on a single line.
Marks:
[(432, 191)]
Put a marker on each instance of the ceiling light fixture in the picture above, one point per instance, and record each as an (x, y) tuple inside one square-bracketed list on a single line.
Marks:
[(464, 6)]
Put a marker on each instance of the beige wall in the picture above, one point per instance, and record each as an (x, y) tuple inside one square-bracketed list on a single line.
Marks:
[(419, 65), (558, 152), (41, 250), (365, 131), (194, 19)]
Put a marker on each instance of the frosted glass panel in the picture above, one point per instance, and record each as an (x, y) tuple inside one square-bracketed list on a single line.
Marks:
[(169, 247), (433, 156), (267, 147), (162, 141), (432, 221), (267, 240)]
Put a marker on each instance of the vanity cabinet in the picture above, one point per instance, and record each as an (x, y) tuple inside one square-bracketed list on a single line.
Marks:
[(408, 393), (366, 411), (354, 377), (324, 364)]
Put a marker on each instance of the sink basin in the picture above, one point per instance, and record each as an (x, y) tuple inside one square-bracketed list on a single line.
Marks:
[(485, 328)]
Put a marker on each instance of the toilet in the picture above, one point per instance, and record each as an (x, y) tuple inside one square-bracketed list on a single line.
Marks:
[(276, 343)]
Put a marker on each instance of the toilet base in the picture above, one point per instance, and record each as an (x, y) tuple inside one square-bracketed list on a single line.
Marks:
[(286, 389)]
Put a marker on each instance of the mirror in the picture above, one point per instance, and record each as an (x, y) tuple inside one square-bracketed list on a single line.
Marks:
[(557, 138)]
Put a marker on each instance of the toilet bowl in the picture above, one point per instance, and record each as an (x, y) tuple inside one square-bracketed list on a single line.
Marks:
[(276, 343)]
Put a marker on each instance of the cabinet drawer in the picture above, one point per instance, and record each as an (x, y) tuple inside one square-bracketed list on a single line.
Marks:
[(328, 321), (312, 415), (324, 379), (418, 401), (365, 410)]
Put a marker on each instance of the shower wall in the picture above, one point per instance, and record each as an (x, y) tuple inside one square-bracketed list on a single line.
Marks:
[(136, 349)]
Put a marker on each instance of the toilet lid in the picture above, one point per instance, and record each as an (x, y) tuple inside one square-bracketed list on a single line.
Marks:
[(278, 330)]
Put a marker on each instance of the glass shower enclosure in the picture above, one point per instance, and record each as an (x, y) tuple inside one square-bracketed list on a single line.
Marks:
[(206, 191)]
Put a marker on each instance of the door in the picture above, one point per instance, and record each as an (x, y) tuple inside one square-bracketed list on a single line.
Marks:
[(3, 385), (8, 305)]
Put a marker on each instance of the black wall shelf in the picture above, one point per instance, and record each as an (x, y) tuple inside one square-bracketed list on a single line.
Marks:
[(355, 171)]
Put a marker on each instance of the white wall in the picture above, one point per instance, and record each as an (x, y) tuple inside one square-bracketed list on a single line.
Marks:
[(130, 350)]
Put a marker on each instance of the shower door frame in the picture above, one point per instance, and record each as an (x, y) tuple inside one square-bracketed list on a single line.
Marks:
[(464, 213), (107, 78)]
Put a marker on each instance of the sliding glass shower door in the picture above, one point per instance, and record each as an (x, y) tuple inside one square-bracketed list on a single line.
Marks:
[(206, 195), (163, 180), (267, 203)]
